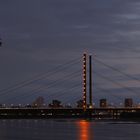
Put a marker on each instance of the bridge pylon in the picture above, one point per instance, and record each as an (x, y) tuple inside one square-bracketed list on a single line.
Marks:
[(84, 82), (90, 81), (90, 105)]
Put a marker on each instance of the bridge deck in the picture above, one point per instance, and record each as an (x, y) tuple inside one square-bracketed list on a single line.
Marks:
[(63, 112)]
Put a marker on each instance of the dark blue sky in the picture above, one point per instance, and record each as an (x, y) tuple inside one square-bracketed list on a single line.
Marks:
[(38, 35)]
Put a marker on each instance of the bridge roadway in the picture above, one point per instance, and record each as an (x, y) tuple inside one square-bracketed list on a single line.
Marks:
[(108, 112)]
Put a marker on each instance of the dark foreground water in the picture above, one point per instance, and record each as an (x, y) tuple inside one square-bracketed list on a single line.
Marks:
[(68, 130)]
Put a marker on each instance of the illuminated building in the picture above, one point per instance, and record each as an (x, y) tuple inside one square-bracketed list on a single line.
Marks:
[(103, 103)]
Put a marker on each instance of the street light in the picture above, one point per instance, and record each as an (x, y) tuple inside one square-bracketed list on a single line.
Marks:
[(4, 105), (121, 104), (12, 105)]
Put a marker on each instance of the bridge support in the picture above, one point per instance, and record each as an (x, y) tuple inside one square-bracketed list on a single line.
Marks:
[(90, 81), (84, 82)]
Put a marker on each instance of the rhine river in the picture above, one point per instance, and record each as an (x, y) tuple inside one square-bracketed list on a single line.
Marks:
[(60, 129)]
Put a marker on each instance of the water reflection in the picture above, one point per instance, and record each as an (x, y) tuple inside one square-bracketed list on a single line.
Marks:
[(84, 130)]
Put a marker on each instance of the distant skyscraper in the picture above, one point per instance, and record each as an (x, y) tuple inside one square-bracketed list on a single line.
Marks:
[(55, 104), (103, 103), (128, 102)]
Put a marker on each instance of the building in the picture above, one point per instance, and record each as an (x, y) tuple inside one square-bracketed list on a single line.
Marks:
[(103, 103), (128, 102), (55, 104), (80, 103)]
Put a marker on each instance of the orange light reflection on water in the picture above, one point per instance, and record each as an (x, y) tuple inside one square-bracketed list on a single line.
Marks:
[(84, 130)]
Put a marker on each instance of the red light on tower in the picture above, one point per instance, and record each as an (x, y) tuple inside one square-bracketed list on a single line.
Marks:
[(84, 82)]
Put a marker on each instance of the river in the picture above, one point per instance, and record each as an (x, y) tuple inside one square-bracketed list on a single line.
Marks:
[(62, 129)]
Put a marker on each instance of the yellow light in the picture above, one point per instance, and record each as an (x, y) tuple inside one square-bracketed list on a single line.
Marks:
[(90, 106)]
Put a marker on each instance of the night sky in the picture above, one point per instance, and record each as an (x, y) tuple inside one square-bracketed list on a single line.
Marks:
[(40, 35)]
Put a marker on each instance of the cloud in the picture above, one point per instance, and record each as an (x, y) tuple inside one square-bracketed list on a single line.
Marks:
[(39, 35)]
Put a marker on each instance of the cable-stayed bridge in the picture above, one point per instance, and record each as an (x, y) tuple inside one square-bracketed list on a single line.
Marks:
[(70, 85)]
